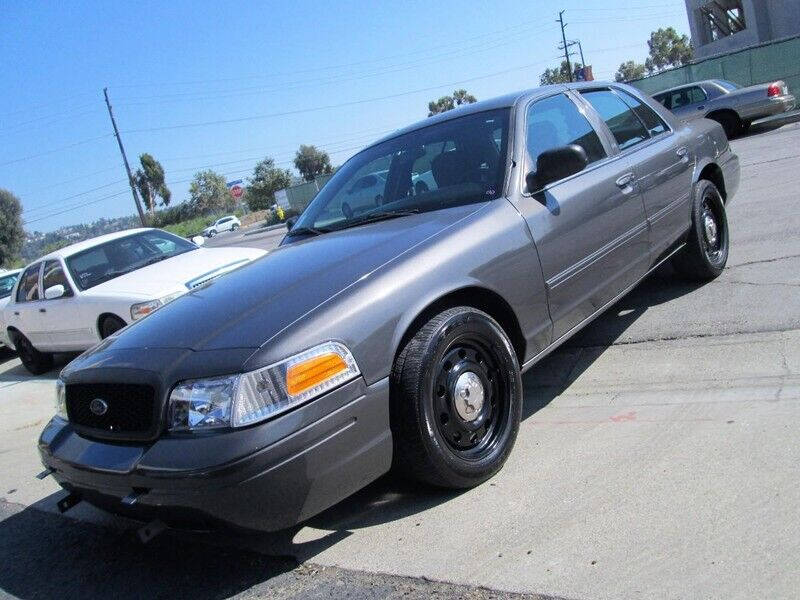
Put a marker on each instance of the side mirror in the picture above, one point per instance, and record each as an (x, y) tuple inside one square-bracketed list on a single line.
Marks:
[(290, 223), (198, 240), (555, 164), (54, 292)]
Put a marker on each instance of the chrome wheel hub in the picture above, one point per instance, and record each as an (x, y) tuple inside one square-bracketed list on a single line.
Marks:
[(710, 226), (468, 396)]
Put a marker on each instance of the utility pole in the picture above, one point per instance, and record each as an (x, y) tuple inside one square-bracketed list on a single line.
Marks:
[(125, 160), (580, 49), (564, 39)]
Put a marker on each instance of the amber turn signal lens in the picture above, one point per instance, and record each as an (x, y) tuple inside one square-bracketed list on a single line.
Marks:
[(312, 372)]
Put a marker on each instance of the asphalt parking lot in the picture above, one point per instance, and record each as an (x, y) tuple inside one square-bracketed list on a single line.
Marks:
[(657, 458)]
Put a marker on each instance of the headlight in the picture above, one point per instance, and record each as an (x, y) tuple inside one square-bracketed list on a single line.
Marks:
[(61, 399), (238, 400), (145, 308)]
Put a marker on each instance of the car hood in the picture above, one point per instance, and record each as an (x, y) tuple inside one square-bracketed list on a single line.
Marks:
[(182, 272), (252, 304)]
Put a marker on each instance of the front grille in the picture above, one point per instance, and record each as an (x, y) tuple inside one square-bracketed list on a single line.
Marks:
[(120, 409)]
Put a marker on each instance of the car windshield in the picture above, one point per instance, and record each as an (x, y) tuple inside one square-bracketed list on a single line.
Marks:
[(7, 284), (728, 85), (454, 162), (123, 255)]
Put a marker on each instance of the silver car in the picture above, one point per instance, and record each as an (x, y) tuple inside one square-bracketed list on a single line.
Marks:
[(394, 337), (731, 105)]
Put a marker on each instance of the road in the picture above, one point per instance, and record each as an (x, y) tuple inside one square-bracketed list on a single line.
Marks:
[(253, 236), (657, 458)]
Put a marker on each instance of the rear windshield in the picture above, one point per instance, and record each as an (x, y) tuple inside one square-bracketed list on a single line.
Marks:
[(123, 255), (454, 162), (728, 85)]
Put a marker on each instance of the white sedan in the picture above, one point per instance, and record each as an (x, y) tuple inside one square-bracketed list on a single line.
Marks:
[(69, 300), (229, 223), (7, 281)]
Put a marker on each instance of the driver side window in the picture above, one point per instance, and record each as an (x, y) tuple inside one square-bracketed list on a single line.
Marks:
[(555, 122)]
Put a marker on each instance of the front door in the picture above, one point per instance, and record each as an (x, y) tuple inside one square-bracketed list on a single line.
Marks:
[(589, 229), (68, 327)]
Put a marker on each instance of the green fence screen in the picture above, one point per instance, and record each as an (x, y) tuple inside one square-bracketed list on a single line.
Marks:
[(749, 66)]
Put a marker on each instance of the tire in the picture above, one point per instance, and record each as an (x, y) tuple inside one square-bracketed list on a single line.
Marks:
[(110, 325), (730, 123), (440, 436), (34, 361), (707, 245), (234, 227)]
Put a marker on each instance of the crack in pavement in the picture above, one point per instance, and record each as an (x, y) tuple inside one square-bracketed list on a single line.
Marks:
[(674, 338), (762, 261)]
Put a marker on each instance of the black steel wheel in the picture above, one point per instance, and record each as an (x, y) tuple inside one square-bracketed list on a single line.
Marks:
[(34, 361), (706, 251), (456, 400)]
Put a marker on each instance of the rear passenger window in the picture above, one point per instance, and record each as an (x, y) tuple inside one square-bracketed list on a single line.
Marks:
[(696, 95), (620, 118), (647, 115), (28, 289), (556, 121)]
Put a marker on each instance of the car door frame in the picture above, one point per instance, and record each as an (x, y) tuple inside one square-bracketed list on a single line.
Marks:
[(26, 317), (520, 158), (68, 339)]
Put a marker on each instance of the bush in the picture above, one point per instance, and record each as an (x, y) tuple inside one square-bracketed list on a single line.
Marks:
[(190, 227)]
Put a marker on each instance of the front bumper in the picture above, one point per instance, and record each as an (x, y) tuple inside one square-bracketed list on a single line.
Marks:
[(266, 477)]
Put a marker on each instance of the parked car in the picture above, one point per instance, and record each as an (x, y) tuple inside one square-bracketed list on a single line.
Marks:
[(229, 223), (731, 105), (398, 336), (69, 300), (7, 281)]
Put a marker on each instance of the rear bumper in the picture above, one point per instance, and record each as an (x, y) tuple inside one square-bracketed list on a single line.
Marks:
[(322, 453), (769, 107)]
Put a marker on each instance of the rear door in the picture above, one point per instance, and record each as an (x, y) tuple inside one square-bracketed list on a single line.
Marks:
[(662, 160), (24, 314), (589, 229)]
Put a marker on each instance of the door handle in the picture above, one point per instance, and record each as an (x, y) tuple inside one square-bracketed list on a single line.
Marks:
[(701, 107), (16, 313), (43, 310), (626, 180), (683, 153)]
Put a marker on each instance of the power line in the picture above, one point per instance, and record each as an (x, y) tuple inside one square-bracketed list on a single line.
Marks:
[(54, 150), (330, 106)]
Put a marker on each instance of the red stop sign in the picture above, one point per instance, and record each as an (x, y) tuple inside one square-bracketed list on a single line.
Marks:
[(236, 191)]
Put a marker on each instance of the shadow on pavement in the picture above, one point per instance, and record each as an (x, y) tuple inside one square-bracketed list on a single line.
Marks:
[(50, 556)]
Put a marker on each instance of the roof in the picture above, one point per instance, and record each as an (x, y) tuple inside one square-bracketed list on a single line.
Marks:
[(504, 101), (90, 243)]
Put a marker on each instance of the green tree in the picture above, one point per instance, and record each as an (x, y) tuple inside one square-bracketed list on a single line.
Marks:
[(208, 192), (446, 103), (266, 180), (311, 163), (667, 49), (150, 182), (558, 75), (630, 70), (11, 232)]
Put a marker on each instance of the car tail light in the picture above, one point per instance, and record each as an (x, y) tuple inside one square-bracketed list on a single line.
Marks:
[(773, 90)]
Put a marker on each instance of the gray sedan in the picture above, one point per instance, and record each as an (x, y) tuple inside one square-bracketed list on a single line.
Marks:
[(393, 330), (730, 104)]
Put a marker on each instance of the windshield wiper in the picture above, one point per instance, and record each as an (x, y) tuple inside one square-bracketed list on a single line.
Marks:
[(309, 230), (380, 216)]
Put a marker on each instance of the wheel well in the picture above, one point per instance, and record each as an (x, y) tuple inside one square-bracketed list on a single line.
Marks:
[(725, 111), (713, 174), (105, 316), (488, 301)]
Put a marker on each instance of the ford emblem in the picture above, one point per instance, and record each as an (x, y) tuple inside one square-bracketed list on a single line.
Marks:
[(98, 407)]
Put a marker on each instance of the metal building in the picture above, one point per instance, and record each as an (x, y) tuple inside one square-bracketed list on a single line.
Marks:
[(720, 26)]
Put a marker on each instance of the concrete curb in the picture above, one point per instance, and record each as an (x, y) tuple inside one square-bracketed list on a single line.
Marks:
[(267, 228)]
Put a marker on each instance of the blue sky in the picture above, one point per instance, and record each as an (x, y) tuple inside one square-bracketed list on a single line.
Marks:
[(277, 74)]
